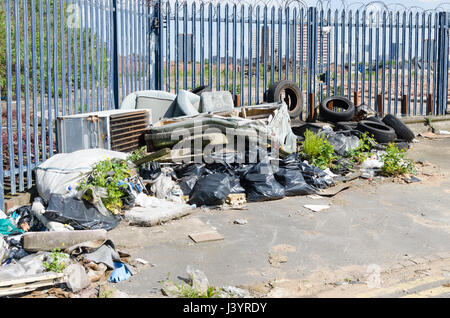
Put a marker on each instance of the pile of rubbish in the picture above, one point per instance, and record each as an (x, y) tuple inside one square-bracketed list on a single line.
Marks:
[(199, 151), (61, 238)]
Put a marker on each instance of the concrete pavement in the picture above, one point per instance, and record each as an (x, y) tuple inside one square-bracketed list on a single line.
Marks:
[(379, 223)]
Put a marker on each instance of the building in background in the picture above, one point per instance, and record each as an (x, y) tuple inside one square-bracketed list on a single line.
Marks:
[(181, 38), (295, 44)]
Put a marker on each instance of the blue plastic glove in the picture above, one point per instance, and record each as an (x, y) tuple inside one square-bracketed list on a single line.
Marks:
[(119, 273)]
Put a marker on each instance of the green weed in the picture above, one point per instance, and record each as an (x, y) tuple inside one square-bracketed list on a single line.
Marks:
[(137, 154), (361, 153), (106, 174), (317, 150), (55, 264), (395, 162)]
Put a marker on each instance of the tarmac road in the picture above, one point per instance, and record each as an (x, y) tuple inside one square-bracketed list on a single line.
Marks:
[(382, 227)]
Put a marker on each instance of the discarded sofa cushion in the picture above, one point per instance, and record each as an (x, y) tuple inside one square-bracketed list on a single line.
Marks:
[(260, 183), (81, 215), (211, 189), (216, 101)]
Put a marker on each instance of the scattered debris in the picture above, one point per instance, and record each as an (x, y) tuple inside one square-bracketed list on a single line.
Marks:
[(77, 279), (314, 196), (316, 208), (236, 199), (47, 241), (332, 191), (411, 179), (240, 221), (142, 261), (206, 237), (277, 254), (29, 283)]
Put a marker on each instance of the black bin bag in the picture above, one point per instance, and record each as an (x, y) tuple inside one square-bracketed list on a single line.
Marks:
[(260, 183), (189, 175), (292, 180), (211, 189), (150, 170), (79, 214)]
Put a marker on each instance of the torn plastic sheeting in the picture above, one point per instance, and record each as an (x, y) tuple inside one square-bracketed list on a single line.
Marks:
[(14, 249), (280, 127), (28, 265), (342, 141), (26, 220), (3, 250), (166, 188), (56, 174), (260, 183), (79, 214), (315, 176), (211, 189)]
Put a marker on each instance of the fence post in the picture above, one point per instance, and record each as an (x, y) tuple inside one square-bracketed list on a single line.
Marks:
[(115, 53), (442, 67), (155, 46), (311, 60)]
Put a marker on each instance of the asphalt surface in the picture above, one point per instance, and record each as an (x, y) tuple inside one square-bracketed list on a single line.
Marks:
[(374, 222)]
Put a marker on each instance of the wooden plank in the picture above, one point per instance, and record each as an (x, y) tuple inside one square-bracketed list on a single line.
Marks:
[(152, 156), (206, 237), (32, 278), (30, 283)]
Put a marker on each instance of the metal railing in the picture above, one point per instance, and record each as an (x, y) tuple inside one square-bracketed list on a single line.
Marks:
[(60, 57)]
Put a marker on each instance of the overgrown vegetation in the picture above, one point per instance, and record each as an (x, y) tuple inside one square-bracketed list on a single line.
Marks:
[(137, 154), (362, 152), (395, 162), (317, 150), (106, 174), (429, 123), (55, 263), (185, 290)]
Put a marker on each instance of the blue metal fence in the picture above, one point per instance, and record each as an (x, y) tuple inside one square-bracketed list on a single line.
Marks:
[(362, 53), (63, 57)]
